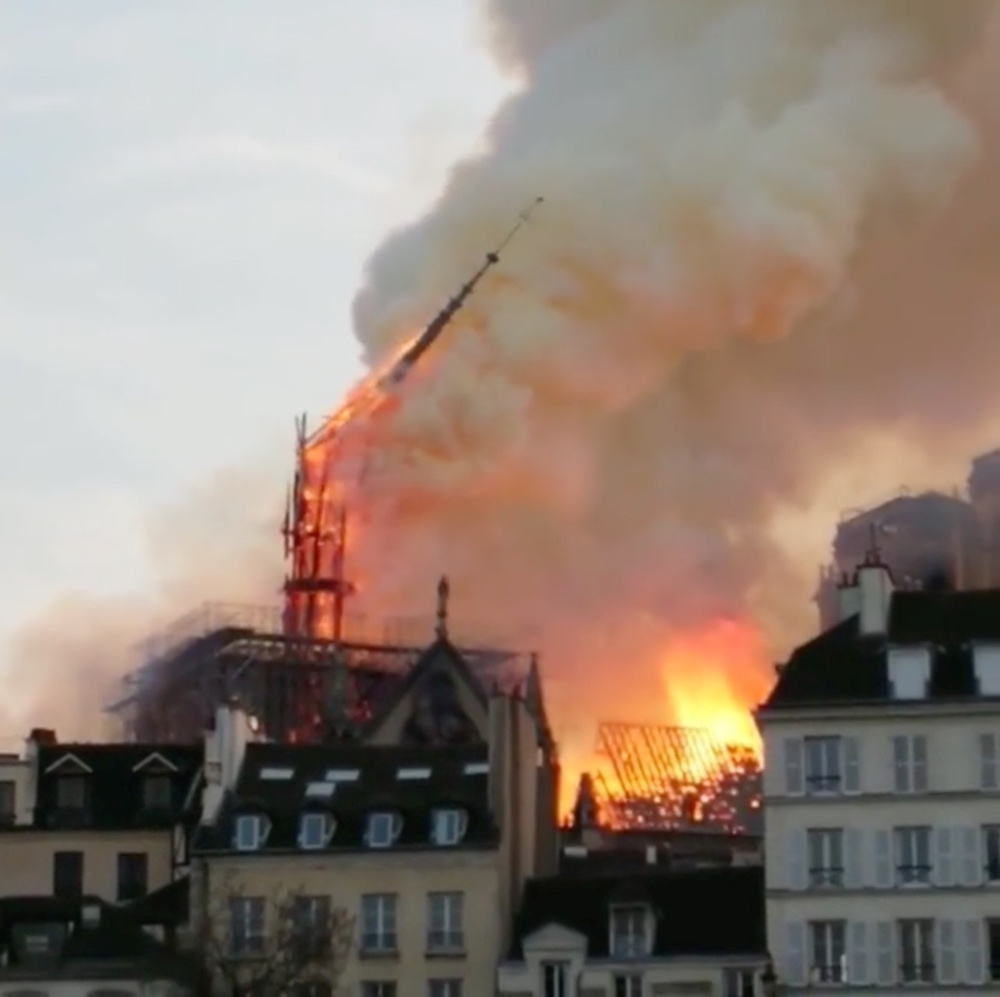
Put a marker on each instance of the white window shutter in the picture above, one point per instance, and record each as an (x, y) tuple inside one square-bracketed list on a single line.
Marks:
[(794, 781), (798, 860), (852, 765), (901, 764), (947, 952), (883, 860), (885, 967), (972, 952), (795, 953), (970, 867), (920, 763), (988, 762), (857, 953), (944, 862), (854, 876)]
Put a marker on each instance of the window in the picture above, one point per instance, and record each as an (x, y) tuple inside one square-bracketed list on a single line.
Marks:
[(314, 830), (629, 931), (375, 988), (246, 917), (822, 764), (629, 985), (251, 830), (71, 792), (133, 875), (991, 852), (382, 830), (448, 827), (828, 951), (916, 951), (909, 764), (555, 979), (378, 922), (988, 769), (913, 855), (311, 988), (826, 857), (6, 802), (986, 661), (157, 792), (909, 672), (444, 917), (739, 983), (444, 988), (67, 874), (313, 926), (993, 949)]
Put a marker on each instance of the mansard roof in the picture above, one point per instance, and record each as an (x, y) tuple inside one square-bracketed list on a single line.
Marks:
[(350, 781), (697, 912), (842, 666)]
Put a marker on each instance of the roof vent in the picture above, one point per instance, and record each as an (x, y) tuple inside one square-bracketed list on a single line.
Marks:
[(413, 773), (320, 790), (477, 768), (269, 774), (343, 775)]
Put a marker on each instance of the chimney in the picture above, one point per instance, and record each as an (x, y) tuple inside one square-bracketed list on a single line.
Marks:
[(225, 746), (848, 598), (498, 734), (43, 736), (875, 588)]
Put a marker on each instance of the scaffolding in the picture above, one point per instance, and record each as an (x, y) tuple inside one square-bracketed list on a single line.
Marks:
[(676, 778)]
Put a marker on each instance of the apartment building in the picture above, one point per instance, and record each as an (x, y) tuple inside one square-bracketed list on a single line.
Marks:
[(103, 820), (882, 794), (421, 835), (640, 933)]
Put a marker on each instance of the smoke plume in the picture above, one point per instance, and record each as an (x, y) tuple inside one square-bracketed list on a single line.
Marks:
[(769, 240)]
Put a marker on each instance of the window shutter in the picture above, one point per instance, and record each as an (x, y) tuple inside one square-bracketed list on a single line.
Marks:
[(919, 761), (970, 867), (798, 873), (885, 974), (944, 865), (794, 784), (901, 764), (852, 765), (857, 953), (883, 860), (795, 953), (853, 858), (988, 761), (947, 955), (972, 950)]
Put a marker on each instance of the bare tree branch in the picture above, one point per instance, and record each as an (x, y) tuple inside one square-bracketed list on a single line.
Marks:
[(286, 943)]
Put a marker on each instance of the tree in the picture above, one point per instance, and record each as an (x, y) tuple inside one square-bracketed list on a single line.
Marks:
[(286, 943)]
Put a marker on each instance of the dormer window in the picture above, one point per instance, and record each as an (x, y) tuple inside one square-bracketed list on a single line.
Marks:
[(71, 792), (986, 661), (909, 672), (157, 791), (383, 830), (630, 931), (448, 827), (251, 832), (315, 830)]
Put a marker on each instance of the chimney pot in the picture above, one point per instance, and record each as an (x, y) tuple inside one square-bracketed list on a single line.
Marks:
[(43, 735)]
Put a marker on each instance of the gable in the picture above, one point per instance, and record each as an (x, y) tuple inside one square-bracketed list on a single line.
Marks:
[(155, 764), (554, 937), (440, 702), (69, 764)]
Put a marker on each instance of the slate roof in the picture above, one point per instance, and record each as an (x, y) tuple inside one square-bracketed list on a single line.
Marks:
[(376, 789), (698, 912), (114, 787), (842, 666), (115, 947)]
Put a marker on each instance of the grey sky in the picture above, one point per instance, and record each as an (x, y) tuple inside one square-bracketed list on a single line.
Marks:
[(188, 192)]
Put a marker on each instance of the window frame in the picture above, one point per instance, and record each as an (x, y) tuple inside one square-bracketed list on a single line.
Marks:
[(622, 913), (915, 872), (827, 777), (827, 951), (445, 921), (921, 931), (386, 933)]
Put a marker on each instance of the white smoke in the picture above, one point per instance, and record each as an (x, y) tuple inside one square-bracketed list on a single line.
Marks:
[(703, 321)]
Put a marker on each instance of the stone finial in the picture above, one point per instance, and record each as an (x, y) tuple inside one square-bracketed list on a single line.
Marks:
[(444, 590)]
